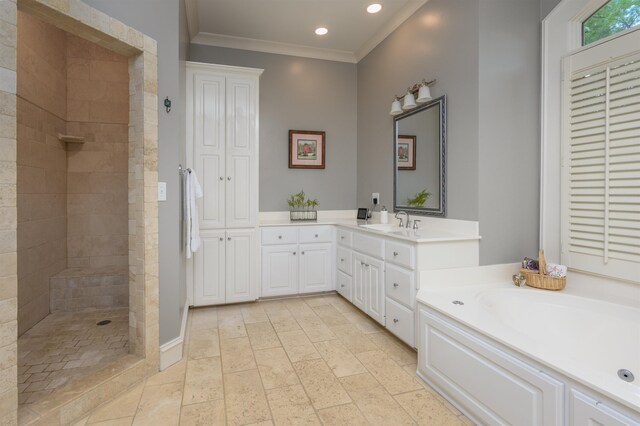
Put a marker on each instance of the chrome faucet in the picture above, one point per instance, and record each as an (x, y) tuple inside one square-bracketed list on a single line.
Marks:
[(401, 224)]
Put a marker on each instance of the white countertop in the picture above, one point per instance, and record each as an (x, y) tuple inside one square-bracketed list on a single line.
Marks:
[(428, 233)]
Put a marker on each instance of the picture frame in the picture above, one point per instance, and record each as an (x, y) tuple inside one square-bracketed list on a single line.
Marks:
[(307, 149), (406, 152)]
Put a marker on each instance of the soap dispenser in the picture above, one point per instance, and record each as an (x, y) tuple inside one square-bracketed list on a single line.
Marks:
[(384, 215)]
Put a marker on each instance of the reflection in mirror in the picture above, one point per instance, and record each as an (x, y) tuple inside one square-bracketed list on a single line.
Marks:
[(419, 167)]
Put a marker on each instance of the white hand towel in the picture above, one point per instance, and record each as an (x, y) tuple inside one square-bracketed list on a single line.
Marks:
[(193, 191)]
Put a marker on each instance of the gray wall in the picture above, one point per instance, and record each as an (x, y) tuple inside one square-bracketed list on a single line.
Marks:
[(547, 6), (160, 19), (509, 154), (300, 94), (438, 41)]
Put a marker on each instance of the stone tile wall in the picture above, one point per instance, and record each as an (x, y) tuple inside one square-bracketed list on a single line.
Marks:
[(98, 110), (42, 165)]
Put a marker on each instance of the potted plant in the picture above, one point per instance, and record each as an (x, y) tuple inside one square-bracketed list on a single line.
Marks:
[(301, 207), (419, 199)]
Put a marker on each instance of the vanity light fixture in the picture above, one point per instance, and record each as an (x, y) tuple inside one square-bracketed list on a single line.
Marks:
[(374, 8), (421, 89), (321, 31)]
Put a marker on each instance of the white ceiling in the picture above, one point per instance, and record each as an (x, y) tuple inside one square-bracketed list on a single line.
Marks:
[(287, 26)]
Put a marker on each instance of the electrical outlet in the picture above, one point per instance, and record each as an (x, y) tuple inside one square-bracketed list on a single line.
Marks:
[(375, 198), (162, 191)]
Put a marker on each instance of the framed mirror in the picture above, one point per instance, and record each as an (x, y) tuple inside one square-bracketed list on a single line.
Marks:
[(419, 163)]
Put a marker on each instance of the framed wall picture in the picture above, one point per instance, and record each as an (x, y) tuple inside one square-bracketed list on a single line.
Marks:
[(406, 152), (306, 149)]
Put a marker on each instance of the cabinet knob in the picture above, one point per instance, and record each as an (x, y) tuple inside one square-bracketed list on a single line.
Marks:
[(342, 285), (395, 284), (228, 177), (341, 260), (228, 238), (342, 237), (361, 263), (221, 238), (294, 253), (366, 265), (395, 253), (316, 235), (301, 252), (279, 237), (221, 178), (396, 320)]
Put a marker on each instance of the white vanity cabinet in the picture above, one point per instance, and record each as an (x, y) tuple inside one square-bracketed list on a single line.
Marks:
[(587, 410), (297, 260), (368, 286)]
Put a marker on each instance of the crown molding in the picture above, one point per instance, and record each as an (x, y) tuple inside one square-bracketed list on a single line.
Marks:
[(409, 9), (243, 43), (191, 7)]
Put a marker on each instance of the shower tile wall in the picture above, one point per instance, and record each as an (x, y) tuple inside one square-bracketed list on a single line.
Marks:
[(42, 165), (97, 200)]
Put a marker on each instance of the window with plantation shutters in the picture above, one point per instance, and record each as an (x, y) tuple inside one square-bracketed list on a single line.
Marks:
[(601, 158)]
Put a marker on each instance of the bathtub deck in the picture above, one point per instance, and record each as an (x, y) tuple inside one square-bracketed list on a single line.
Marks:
[(68, 345)]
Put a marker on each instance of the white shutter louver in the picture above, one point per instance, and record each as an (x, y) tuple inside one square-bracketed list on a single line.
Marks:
[(601, 161)]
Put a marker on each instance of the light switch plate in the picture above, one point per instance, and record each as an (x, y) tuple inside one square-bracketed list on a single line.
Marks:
[(162, 191)]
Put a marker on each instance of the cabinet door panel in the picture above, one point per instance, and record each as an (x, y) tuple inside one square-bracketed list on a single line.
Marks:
[(209, 147), (316, 272), (241, 260), (359, 292), (585, 410), (209, 269), (279, 270), (240, 196), (375, 284)]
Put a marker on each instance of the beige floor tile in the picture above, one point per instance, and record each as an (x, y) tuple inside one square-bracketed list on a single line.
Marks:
[(254, 313), (125, 421), (262, 335), (390, 375), (339, 359), (175, 373), (425, 409), (330, 315), (231, 326), (321, 385), (317, 300), (298, 346), (282, 325), (343, 306), (237, 355), (354, 339), (203, 414), (290, 406), (396, 350), (265, 423), (315, 329), (204, 318), (203, 343), (275, 369), (159, 405), (364, 323), (342, 415), (245, 399), (125, 405), (374, 402), (203, 381)]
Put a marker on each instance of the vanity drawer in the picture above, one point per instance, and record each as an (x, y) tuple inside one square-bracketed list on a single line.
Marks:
[(344, 285), (344, 237), (400, 254), (400, 321), (400, 285), (316, 234), (284, 235), (368, 245), (343, 259)]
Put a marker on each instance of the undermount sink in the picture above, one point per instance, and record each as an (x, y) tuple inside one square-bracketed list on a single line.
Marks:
[(382, 227)]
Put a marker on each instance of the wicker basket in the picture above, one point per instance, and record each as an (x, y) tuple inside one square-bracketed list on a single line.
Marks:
[(539, 279)]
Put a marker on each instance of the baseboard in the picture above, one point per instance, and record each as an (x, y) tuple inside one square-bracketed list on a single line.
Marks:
[(171, 352)]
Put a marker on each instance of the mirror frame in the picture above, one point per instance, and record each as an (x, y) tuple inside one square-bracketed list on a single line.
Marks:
[(441, 210)]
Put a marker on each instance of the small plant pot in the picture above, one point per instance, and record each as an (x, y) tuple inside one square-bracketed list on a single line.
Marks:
[(301, 215)]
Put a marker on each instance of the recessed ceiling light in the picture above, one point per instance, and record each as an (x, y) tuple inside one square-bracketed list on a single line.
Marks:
[(321, 31), (374, 8)]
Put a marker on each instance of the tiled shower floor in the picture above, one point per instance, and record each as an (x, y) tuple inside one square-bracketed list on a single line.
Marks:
[(68, 345)]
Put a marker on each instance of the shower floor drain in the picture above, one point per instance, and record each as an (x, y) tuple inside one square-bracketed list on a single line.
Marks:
[(103, 322)]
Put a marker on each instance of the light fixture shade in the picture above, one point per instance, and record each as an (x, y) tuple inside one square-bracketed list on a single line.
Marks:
[(395, 107), (424, 94), (409, 101)]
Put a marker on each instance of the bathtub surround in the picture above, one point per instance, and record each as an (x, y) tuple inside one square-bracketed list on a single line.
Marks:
[(462, 43), (42, 163), (79, 19)]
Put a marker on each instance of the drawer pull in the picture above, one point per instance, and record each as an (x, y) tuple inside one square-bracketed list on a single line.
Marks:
[(294, 253), (301, 252), (396, 320), (395, 253), (279, 237), (228, 238), (342, 237), (342, 285), (341, 260), (221, 178), (316, 235), (228, 177), (395, 284), (361, 263), (221, 238), (366, 265)]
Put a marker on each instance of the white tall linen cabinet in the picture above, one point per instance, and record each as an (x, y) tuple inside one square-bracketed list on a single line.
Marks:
[(222, 148)]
